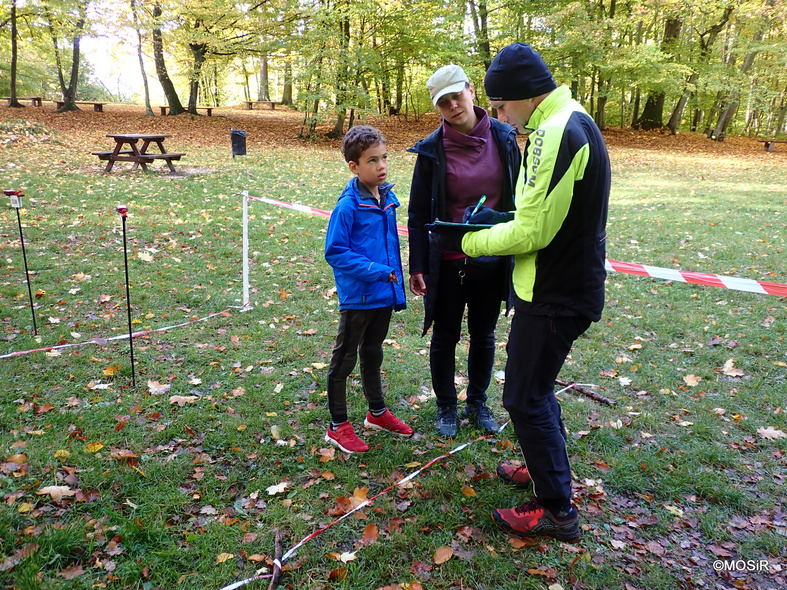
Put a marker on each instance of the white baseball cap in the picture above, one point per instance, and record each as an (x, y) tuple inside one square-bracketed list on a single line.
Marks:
[(446, 80)]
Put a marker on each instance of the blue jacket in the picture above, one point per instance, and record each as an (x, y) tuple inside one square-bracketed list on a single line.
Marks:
[(362, 246)]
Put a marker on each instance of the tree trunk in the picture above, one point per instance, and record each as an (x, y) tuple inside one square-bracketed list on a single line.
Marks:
[(720, 131), (677, 112), (198, 53), (69, 92), (781, 115), (286, 94), (263, 93), (175, 107), (399, 85), (705, 46), (653, 113), (342, 79), (478, 15), (696, 119), (635, 107), (601, 104), (148, 108), (13, 102)]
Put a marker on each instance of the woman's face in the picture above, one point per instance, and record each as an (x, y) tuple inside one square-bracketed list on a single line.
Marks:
[(457, 109)]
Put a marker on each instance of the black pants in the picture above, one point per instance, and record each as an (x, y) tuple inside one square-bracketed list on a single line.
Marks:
[(361, 333), (537, 348), (480, 289)]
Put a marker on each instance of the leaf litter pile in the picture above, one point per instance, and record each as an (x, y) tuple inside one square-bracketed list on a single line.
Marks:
[(181, 482)]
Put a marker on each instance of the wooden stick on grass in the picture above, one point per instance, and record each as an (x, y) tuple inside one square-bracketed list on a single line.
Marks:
[(584, 391), (277, 556)]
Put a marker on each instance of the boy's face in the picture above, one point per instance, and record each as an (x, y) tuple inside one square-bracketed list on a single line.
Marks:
[(372, 166)]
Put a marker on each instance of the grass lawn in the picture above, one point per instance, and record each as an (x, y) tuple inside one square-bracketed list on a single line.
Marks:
[(182, 481)]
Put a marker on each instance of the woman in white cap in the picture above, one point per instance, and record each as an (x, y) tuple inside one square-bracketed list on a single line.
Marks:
[(468, 157)]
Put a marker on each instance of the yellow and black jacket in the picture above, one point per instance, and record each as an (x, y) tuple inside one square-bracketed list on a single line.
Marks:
[(558, 234)]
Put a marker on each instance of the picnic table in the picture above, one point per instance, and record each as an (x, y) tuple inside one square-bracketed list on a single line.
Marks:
[(97, 106), (36, 100), (138, 155), (250, 104)]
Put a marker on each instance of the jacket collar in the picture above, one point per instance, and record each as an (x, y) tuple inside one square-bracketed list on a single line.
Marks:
[(433, 144), (556, 99), (359, 190)]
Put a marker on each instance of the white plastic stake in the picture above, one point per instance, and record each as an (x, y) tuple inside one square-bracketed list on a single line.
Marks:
[(246, 303)]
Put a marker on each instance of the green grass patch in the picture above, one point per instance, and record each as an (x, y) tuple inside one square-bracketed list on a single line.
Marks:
[(159, 492)]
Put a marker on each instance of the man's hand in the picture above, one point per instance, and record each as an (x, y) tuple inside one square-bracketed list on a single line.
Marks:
[(417, 284), (392, 278), (486, 216), (448, 242)]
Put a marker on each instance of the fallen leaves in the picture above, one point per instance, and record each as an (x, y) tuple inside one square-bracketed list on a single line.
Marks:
[(222, 557), (771, 433), (442, 555), (370, 534), (182, 400), (156, 388), (56, 492), (278, 488), (468, 491)]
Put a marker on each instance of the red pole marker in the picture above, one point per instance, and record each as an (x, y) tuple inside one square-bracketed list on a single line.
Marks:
[(123, 210), (16, 203)]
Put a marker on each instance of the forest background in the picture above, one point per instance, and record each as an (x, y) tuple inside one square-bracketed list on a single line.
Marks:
[(714, 66)]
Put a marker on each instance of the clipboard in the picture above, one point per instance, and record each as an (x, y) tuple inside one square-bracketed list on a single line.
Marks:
[(451, 226)]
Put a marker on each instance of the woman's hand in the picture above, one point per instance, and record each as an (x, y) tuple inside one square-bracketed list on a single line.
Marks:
[(417, 284)]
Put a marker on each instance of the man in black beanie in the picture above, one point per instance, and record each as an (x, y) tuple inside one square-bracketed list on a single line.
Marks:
[(557, 236)]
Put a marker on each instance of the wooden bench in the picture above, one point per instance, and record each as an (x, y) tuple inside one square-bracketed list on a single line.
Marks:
[(168, 156), (36, 100), (769, 143), (250, 104), (97, 106), (209, 110), (106, 155)]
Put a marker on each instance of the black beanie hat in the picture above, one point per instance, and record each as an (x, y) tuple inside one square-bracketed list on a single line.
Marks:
[(517, 73)]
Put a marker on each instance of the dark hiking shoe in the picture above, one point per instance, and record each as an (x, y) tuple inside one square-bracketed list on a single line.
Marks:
[(481, 416), (533, 520), (447, 422), (512, 474)]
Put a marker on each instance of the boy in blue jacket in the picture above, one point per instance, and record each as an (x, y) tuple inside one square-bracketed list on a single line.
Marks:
[(362, 246)]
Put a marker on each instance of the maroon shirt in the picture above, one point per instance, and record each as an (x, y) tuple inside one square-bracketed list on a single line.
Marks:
[(473, 168)]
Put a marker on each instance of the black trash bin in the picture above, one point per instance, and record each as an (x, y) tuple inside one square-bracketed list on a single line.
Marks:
[(238, 138)]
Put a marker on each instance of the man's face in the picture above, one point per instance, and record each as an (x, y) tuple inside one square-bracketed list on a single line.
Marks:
[(457, 109), (515, 112), (372, 166)]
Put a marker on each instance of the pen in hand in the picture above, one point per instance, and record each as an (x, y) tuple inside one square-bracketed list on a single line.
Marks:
[(477, 208)]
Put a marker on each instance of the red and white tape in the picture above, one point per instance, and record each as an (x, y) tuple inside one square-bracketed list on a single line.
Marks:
[(698, 278), (400, 229), (667, 274), (110, 339)]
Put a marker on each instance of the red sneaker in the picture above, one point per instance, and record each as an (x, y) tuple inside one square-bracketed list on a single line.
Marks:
[(345, 438), (533, 520), (514, 475), (387, 422)]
